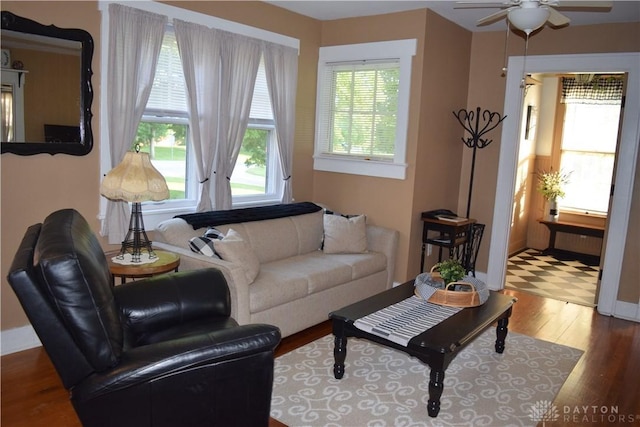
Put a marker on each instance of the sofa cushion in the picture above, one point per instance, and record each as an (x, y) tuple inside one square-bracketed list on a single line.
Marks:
[(276, 285), (282, 281), (176, 232), (234, 248), (283, 238), (344, 235), (362, 265)]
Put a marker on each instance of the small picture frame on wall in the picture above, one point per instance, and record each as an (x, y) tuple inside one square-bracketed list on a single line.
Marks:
[(530, 123), (5, 58)]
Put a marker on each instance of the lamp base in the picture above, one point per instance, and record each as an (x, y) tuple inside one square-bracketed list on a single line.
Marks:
[(136, 246), (127, 259)]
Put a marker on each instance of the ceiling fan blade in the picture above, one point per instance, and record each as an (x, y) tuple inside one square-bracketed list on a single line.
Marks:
[(556, 18), (490, 3), (569, 4), (494, 17)]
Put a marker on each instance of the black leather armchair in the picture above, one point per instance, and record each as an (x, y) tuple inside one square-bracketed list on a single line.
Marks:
[(157, 352)]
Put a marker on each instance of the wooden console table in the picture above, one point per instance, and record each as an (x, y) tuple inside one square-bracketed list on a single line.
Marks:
[(571, 228)]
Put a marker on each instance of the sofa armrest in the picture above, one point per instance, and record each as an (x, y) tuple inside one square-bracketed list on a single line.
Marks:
[(233, 273), (168, 300), (384, 240)]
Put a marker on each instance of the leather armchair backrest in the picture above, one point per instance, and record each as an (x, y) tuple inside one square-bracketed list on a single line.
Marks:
[(75, 272), (67, 358)]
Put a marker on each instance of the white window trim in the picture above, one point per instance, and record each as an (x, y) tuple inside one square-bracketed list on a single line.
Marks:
[(159, 212), (403, 50), (274, 181)]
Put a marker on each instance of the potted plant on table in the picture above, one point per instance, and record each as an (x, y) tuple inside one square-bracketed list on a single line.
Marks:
[(448, 284), (550, 185), (450, 270)]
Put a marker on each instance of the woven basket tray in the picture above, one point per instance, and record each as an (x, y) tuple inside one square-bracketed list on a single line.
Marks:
[(468, 297)]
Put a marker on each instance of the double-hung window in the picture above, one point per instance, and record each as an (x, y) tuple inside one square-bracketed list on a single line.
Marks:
[(257, 176), (164, 130), (589, 139), (362, 108), (164, 133)]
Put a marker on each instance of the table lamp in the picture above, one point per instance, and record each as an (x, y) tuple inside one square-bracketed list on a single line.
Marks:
[(135, 180)]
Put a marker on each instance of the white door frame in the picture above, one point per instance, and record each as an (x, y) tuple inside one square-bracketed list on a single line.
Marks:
[(627, 155)]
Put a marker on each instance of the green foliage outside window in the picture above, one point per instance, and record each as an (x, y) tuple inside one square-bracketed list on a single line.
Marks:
[(364, 111)]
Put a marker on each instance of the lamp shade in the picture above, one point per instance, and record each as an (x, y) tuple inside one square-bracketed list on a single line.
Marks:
[(528, 19), (134, 180)]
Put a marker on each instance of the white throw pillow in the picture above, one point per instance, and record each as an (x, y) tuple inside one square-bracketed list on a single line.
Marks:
[(345, 235), (234, 248)]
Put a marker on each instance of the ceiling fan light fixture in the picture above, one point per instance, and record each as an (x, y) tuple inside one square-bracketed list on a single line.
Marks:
[(528, 19)]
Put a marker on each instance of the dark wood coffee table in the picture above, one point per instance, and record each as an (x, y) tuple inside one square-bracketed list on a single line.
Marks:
[(436, 346)]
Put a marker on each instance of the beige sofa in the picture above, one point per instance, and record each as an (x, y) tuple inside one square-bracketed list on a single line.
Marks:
[(297, 283)]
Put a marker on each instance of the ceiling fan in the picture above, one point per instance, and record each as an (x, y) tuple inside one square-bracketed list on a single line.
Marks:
[(529, 15)]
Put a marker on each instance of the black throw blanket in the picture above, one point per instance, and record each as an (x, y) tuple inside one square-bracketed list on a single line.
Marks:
[(234, 216)]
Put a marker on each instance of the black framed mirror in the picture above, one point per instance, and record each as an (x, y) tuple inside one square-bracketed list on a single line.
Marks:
[(46, 77)]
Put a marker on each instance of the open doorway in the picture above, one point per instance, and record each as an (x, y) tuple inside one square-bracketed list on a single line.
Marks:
[(619, 213), (570, 128)]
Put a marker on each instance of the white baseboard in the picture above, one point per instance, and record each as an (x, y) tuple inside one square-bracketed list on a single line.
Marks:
[(626, 310), (18, 339)]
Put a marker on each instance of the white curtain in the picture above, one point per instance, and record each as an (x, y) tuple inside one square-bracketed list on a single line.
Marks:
[(240, 61), (281, 66), (199, 48), (135, 39)]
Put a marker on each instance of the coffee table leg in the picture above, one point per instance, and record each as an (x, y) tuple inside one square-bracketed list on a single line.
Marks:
[(501, 334), (436, 382), (339, 356)]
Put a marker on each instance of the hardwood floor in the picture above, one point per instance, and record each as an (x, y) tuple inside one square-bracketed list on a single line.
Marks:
[(607, 377)]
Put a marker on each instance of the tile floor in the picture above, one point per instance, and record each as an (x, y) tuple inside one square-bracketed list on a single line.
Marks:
[(565, 280)]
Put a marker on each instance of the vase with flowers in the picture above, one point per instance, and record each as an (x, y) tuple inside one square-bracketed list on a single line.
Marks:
[(550, 185)]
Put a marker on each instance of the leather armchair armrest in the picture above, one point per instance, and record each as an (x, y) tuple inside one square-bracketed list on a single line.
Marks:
[(164, 359), (171, 299)]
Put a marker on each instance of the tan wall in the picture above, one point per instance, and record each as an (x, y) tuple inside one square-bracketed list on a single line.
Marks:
[(487, 89), (34, 186), (451, 64), (629, 289), (432, 154)]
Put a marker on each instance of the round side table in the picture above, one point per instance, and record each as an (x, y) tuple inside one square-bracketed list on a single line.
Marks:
[(166, 262)]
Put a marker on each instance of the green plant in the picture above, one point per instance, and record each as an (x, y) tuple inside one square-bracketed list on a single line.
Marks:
[(550, 184), (450, 270)]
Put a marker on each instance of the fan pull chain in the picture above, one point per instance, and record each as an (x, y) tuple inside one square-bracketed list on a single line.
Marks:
[(505, 68), (524, 65)]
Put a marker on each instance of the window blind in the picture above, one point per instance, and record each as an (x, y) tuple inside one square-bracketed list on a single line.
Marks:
[(360, 104), (169, 92)]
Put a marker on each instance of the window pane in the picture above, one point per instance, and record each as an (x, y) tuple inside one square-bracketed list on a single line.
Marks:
[(250, 173), (363, 115), (590, 181), (166, 144), (589, 127), (168, 91), (589, 138)]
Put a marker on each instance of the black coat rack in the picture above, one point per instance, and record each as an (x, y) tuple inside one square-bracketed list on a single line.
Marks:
[(470, 121)]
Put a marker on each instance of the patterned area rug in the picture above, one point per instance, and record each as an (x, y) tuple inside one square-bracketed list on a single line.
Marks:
[(385, 387)]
